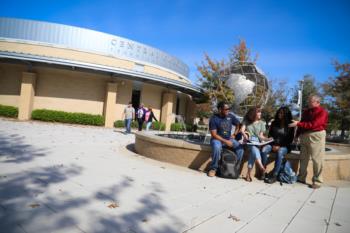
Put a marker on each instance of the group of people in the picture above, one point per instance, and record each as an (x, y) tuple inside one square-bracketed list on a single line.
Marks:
[(283, 131), (142, 115)]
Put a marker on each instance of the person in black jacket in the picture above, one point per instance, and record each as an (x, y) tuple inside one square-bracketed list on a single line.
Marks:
[(149, 116), (283, 137)]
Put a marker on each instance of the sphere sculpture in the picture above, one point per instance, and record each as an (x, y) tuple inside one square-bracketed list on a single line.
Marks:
[(249, 85)]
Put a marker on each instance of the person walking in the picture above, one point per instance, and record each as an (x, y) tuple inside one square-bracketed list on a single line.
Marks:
[(129, 114), (149, 117), (141, 111), (312, 133)]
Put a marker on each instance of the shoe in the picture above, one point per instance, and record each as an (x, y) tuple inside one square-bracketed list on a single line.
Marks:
[(263, 176), (211, 173), (315, 186), (300, 181), (248, 179), (271, 180)]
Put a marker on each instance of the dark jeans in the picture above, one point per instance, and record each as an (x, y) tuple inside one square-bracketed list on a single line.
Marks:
[(140, 122), (216, 148)]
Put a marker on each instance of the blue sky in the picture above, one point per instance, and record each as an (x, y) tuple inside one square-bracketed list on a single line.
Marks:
[(292, 38)]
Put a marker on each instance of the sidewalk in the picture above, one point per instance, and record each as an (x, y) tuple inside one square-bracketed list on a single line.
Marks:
[(60, 178)]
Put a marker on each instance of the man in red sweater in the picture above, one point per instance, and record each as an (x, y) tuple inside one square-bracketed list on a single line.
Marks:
[(312, 131)]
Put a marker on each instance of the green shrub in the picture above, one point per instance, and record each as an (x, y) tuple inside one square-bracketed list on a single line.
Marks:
[(158, 126), (134, 124), (177, 127), (119, 124), (181, 127), (67, 117), (8, 111)]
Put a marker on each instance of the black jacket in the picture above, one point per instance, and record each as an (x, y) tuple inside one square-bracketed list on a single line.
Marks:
[(282, 136)]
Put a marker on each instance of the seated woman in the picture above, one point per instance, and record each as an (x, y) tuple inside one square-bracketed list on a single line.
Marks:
[(253, 129), (283, 137)]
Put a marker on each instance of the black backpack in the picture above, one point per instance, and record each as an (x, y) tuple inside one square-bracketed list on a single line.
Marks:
[(229, 164)]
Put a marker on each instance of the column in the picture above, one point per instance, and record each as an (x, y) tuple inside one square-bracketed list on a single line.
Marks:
[(26, 98), (110, 104), (167, 109)]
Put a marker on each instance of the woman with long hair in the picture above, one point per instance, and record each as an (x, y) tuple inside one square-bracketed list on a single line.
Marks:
[(283, 137), (253, 130)]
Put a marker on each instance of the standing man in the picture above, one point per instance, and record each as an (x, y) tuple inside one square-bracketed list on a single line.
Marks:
[(141, 111), (220, 126), (312, 131), (129, 113)]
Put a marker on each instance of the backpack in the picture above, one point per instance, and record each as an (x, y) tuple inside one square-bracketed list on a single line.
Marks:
[(229, 164), (287, 175), (140, 113)]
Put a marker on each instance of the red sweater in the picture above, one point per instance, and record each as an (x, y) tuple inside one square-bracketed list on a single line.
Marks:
[(313, 119)]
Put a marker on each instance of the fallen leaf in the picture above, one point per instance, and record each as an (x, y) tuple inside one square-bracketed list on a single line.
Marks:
[(337, 224), (234, 218), (34, 205), (113, 205), (313, 202)]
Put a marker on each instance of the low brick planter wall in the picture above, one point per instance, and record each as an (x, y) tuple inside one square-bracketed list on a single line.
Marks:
[(194, 156)]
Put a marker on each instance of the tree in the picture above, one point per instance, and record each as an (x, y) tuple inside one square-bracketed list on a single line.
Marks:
[(278, 97), (212, 81), (310, 87), (241, 53), (213, 77), (338, 88)]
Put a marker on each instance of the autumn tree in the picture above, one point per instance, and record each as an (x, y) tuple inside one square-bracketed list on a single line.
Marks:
[(213, 76), (241, 53)]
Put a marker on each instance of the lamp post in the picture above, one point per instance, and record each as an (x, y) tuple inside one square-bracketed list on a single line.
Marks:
[(301, 98)]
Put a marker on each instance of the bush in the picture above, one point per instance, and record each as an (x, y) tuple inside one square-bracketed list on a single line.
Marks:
[(119, 124), (67, 117), (134, 124), (8, 111), (156, 125), (181, 127)]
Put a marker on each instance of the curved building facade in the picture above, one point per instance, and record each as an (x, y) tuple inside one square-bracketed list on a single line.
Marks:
[(59, 67)]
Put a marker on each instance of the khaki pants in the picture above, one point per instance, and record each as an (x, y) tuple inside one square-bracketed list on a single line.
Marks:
[(312, 145)]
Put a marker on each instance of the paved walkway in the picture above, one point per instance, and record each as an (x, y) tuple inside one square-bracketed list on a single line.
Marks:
[(61, 178)]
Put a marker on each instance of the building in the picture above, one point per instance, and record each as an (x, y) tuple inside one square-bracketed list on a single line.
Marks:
[(59, 67)]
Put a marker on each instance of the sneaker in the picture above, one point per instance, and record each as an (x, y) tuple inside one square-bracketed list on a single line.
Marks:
[(211, 173), (301, 181), (271, 180), (315, 186)]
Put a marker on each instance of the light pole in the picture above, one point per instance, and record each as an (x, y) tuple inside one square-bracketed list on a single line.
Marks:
[(301, 98)]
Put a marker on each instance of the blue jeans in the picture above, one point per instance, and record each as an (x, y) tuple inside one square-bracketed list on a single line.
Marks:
[(216, 147), (256, 154), (148, 125), (282, 151), (128, 125)]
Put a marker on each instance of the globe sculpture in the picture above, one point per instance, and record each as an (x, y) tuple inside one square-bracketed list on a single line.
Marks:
[(249, 85)]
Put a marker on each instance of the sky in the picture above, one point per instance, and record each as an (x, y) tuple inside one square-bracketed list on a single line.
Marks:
[(292, 38)]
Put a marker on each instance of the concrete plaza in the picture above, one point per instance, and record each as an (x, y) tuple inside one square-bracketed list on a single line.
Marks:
[(64, 178)]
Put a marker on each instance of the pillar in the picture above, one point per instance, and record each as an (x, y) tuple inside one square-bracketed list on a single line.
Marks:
[(167, 109), (26, 98), (110, 104), (191, 111)]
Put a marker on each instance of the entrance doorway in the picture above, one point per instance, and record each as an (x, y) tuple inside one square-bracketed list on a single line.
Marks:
[(135, 98)]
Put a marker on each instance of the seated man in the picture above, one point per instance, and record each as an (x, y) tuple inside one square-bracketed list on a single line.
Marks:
[(220, 126)]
